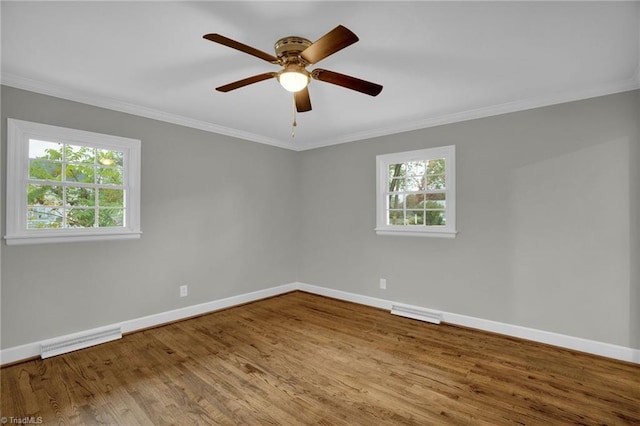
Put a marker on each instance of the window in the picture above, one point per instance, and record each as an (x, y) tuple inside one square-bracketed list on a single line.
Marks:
[(70, 185), (416, 193)]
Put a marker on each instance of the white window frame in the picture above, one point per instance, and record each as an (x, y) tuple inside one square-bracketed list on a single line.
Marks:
[(382, 199), (18, 135)]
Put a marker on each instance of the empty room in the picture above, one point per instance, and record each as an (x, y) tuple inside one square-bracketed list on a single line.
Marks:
[(329, 212)]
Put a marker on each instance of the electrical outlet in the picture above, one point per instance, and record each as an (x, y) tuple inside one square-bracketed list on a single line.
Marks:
[(383, 283), (184, 291)]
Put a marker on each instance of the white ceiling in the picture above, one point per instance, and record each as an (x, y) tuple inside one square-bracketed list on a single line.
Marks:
[(439, 62)]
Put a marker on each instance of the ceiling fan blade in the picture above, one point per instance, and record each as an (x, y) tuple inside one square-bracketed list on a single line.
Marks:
[(245, 82), (303, 101), (217, 38), (366, 87), (335, 40)]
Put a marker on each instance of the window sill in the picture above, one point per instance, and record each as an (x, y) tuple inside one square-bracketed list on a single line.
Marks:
[(24, 239), (415, 233)]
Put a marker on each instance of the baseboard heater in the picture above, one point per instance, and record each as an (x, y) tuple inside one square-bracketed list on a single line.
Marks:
[(417, 313), (70, 344)]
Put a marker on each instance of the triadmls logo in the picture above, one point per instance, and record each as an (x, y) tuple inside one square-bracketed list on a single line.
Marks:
[(27, 420)]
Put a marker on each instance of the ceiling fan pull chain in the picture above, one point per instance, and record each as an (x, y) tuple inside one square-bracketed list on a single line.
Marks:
[(294, 124)]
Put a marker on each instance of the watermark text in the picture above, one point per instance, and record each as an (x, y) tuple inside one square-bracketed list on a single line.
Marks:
[(26, 420)]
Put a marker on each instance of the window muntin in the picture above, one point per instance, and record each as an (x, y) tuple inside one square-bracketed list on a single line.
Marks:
[(65, 185), (416, 192)]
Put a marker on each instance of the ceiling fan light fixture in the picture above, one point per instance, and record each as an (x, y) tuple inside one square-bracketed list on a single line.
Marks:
[(293, 78)]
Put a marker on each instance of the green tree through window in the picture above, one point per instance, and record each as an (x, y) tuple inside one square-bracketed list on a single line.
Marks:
[(416, 193), (74, 186)]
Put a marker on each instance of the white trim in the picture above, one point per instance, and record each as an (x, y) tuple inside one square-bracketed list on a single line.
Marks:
[(383, 161), (203, 308), (30, 350), (561, 340), (621, 353), (483, 112), (19, 82), (33, 349), (31, 85), (348, 297), (412, 233), (19, 132), (17, 240)]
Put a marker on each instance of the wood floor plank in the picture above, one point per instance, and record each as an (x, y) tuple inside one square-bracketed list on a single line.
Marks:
[(305, 359)]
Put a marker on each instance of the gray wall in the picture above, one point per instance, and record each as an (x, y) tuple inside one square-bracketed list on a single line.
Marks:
[(215, 215), (547, 215), (634, 215)]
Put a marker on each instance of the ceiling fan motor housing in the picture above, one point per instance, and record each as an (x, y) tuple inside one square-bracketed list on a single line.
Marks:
[(289, 48)]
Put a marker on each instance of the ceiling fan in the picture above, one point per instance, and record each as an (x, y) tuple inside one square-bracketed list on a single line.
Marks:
[(294, 54)]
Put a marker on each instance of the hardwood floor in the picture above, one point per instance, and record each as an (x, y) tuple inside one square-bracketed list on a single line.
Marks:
[(305, 359)]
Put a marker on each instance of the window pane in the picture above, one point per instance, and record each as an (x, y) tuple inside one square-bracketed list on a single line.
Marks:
[(80, 154), (110, 158), (414, 184), (435, 218), (110, 217), (407, 185), (395, 217), (435, 166), (44, 218), (406, 176), (435, 182), (396, 170), (110, 176), (415, 168), (435, 197), (415, 217), (80, 218), (435, 201), (79, 173), (44, 195), (81, 196), (414, 201), (44, 149), (45, 170), (111, 197), (396, 201), (436, 205), (396, 184)]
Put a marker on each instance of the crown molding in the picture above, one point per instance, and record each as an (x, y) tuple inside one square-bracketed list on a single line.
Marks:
[(30, 85), (18, 82), (488, 111)]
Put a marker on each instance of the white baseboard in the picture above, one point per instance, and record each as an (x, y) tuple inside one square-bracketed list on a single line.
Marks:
[(343, 295), (608, 350), (31, 350), (594, 347), (203, 308)]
